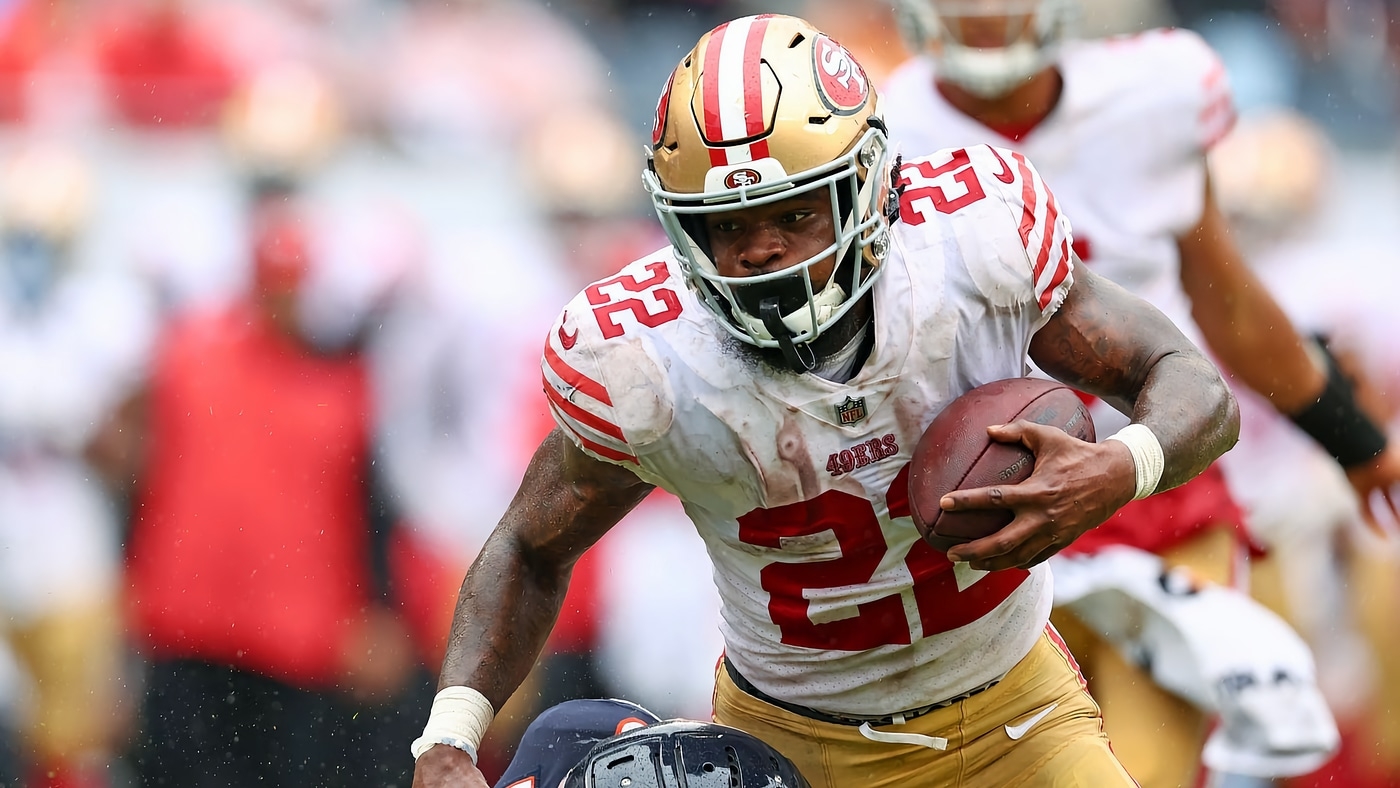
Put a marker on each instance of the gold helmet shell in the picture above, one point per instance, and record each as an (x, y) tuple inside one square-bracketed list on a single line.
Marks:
[(755, 88), (763, 108)]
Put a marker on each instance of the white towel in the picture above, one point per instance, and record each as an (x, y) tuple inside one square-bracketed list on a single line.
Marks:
[(1213, 646)]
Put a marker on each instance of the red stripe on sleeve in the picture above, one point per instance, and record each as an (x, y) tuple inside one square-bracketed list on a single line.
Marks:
[(1028, 200), (595, 447), (1048, 242), (1062, 271), (573, 377), (582, 416)]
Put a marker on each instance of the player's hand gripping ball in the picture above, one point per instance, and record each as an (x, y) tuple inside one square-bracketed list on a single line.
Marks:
[(955, 453)]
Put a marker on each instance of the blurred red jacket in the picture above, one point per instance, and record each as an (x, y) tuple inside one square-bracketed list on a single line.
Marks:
[(250, 543)]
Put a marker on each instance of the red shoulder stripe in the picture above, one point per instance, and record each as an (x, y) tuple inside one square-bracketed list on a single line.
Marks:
[(1061, 271), (592, 445), (582, 416), (573, 377)]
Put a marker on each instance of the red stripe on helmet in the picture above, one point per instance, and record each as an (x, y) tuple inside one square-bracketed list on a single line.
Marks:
[(754, 120), (709, 87)]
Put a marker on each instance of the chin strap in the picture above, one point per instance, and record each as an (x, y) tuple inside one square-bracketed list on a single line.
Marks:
[(773, 321)]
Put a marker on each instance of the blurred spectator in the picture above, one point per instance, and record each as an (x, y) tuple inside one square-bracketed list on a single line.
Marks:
[(643, 38), (580, 163), (45, 64), (73, 343), (258, 576), (162, 65), (467, 77), (280, 125)]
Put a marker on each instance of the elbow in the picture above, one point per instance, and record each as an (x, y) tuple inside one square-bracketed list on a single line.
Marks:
[(1228, 417)]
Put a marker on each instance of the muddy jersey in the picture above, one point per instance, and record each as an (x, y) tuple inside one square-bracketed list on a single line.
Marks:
[(1124, 149), (796, 484)]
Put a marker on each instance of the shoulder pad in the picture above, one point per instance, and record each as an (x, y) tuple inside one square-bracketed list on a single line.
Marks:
[(605, 389), (1009, 229)]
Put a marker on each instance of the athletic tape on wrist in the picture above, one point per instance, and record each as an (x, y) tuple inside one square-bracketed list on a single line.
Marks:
[(459, 719), (1148, 460)]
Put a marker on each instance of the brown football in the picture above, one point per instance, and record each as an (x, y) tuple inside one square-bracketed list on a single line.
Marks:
[(955, 453)]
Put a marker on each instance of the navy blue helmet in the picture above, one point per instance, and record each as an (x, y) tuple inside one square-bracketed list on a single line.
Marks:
[(563, 734), (684, 754)]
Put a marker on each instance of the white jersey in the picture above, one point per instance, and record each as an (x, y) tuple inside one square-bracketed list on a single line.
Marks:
[(797, 485), (1124, 149)]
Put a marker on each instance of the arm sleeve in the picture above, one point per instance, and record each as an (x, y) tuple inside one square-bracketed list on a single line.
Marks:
[(606, 393), (1007, 226)]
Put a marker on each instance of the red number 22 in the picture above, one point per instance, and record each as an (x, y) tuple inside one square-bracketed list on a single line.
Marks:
[(919, 188), (942, 606), (605, 308)]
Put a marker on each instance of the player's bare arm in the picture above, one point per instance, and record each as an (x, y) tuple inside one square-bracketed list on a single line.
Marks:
[(1257, 343), (513, 592), (1241, 322), (1110, 343)]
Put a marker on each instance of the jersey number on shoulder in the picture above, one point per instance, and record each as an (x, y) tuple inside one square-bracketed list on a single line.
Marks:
[(862, 550), (606, 305), (946, 188)]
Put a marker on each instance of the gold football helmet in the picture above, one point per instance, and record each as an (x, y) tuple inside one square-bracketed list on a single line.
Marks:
[(765, 108), (1031, 32)]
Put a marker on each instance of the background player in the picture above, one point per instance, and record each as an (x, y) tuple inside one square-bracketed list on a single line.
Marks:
[(1121, 128), (720, 369)]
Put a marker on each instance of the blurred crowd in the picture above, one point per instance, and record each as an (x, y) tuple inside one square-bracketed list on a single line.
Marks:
[(274, 280)]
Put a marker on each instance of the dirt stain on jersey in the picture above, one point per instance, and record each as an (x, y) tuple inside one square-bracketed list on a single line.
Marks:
[(792, 450), (912, 414)]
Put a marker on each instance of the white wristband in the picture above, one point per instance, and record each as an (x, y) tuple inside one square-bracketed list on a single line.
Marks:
[(459, 719), (1147, 456)]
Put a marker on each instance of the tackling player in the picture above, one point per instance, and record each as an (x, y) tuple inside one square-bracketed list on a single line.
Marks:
[(562, 736), (1121, 127), (773, 368)]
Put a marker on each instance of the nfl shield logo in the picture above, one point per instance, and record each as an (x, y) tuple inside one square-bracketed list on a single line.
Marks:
[(851, 411)]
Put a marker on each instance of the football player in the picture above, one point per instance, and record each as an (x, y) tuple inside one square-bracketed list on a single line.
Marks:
[(76, 336), (1121, 128), (773, 368)]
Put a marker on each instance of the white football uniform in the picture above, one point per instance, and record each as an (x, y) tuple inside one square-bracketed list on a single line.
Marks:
[(1123, 150), (797, 485)]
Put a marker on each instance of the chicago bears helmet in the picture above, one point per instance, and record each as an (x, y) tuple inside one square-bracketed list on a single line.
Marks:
[(1028, 40), (684, 754), (765, 108)]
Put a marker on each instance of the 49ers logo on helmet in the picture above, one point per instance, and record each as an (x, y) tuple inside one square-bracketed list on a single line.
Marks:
[(841, 81), (744, 177), (658, 128)]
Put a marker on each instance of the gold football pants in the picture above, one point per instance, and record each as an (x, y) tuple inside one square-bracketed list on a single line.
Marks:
[(1064, 748), (73, 657)]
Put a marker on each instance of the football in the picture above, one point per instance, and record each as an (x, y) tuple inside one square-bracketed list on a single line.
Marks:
[(955, 453)]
